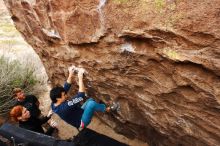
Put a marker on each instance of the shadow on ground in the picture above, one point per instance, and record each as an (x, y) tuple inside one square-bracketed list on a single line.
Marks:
[(12, 135)]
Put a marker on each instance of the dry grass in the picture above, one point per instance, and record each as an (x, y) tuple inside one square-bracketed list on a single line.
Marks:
[(14, 74)]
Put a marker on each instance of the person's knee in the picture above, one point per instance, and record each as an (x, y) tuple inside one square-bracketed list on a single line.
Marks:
[(91, 104)]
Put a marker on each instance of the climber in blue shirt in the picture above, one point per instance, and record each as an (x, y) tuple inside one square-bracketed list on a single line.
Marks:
[(71, 110)]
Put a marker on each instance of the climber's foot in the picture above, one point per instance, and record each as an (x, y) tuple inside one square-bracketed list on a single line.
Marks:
[(114, 107)]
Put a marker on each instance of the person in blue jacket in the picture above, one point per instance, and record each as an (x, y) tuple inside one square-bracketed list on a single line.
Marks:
[(70, 110)]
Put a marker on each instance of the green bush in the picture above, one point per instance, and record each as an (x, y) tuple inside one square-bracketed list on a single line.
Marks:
[(14, 74)]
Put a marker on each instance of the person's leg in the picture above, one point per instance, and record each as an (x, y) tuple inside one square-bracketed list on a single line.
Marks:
[(84, 105), (89, 109)]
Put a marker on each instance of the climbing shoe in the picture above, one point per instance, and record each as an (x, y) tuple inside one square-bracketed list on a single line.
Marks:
[(115, 106)]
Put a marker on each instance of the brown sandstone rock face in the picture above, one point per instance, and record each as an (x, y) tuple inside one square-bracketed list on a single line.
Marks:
[(159, 58)]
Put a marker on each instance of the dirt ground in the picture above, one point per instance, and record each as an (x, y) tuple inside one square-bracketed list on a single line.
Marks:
[(99, 127)]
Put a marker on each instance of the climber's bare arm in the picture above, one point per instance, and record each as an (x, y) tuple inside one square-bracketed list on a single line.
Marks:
[(69, 79), (80, 77)]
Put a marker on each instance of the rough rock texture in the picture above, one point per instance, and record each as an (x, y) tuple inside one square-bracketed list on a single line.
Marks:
[(159, 58)]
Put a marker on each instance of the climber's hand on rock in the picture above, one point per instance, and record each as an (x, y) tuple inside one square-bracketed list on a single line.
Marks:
[(81, 71), (71, 70)]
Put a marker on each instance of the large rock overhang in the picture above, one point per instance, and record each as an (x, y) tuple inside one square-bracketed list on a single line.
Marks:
[(159, 59)]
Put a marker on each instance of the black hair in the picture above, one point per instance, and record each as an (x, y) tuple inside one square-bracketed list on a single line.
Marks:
[(55, 93)]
